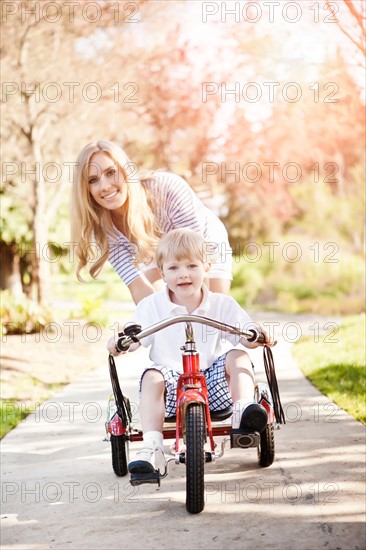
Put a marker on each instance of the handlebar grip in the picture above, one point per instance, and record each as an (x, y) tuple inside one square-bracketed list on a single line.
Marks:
[(131, 330), (258, 336), (120, 345)]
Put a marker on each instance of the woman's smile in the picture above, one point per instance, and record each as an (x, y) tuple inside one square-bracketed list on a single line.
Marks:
[(111, 195)]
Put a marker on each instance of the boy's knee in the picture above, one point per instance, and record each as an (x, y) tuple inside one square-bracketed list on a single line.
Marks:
[(238, 356), (152, 377), (238, 360)]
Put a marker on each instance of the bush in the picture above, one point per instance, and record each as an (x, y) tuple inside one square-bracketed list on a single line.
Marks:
[(91, 311), (20, 315), (247, 282)]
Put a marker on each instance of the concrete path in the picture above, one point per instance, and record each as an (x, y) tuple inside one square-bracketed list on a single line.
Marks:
[(59, 490)]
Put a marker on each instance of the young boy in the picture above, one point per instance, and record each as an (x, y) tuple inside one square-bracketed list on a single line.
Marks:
[(228, 369)]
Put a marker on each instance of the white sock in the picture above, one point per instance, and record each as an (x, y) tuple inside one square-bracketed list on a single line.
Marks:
[(238, 409), (153, 439)]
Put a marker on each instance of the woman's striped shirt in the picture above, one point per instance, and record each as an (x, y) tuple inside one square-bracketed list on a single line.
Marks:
[(175, 205)]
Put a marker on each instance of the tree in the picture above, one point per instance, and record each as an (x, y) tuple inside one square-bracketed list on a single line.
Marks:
[(353, 25), (46, 66), (316, 142)]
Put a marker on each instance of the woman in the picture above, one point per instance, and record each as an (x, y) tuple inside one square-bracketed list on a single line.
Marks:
[(125, 214)]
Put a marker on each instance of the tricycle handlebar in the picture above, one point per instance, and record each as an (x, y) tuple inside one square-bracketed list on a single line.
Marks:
[(252, 334)]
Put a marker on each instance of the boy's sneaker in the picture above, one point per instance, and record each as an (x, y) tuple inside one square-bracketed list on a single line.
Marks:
[(254, 417), (147, 461)]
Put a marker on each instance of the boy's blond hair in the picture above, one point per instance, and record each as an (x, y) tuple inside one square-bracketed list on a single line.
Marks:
[(180, 244)]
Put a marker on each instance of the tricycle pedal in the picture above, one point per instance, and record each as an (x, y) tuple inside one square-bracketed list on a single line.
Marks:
[(244, 438), (150, 477)]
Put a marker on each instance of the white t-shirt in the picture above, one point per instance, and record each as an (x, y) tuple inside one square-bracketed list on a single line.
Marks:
[(211, 343)]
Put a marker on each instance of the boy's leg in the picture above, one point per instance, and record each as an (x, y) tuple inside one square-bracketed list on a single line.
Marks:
[(152, 412), (239, 373), (247, 413), (152, 406)]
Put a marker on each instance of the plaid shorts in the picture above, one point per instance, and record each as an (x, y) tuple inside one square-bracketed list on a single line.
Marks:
[(218, 390)]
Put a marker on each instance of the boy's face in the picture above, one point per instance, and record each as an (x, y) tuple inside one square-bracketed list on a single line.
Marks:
[(184, 277)]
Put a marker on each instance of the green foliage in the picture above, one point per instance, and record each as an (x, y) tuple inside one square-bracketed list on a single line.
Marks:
[(108, 286), (338, 368), (20, 315), (247, 282), (325, 279), (336, 216), (95, 300), (91, 310), (14, 220)]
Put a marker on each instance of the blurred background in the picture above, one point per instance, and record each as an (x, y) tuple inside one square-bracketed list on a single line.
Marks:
[(259, 105)]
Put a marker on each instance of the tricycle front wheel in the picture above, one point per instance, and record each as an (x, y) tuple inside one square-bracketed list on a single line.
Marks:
[(195, 459)]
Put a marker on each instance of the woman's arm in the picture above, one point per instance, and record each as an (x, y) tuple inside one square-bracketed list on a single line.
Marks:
[(140, 288), (218, 285)]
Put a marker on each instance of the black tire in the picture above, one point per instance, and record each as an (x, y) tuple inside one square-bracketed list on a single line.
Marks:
[(119, 455), (266, 449), (195, 458)]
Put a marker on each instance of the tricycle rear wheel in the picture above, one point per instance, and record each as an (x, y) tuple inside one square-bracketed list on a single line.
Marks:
[(195, 459), (266, 449), (119, 454)]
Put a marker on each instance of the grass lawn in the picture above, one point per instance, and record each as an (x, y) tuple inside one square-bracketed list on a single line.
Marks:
[(338, 369), (11, 413)]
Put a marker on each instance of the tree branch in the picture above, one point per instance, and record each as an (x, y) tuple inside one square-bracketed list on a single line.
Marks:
[(350, 5), (359, 43)]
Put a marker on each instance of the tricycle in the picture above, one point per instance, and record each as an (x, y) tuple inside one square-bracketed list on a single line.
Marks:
[(194, 427)]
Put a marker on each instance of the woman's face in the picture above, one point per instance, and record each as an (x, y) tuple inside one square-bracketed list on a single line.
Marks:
[(106, 182)]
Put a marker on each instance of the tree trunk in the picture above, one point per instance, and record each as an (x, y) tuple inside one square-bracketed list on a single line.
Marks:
[(40, 263), (10, 275)]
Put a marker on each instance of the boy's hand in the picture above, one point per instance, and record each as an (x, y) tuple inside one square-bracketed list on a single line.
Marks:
[(130, 330), (267, 340), (112, 348)]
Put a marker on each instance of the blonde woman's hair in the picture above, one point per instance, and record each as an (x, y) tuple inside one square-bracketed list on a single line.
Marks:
[(91, 223), (180, 244)]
